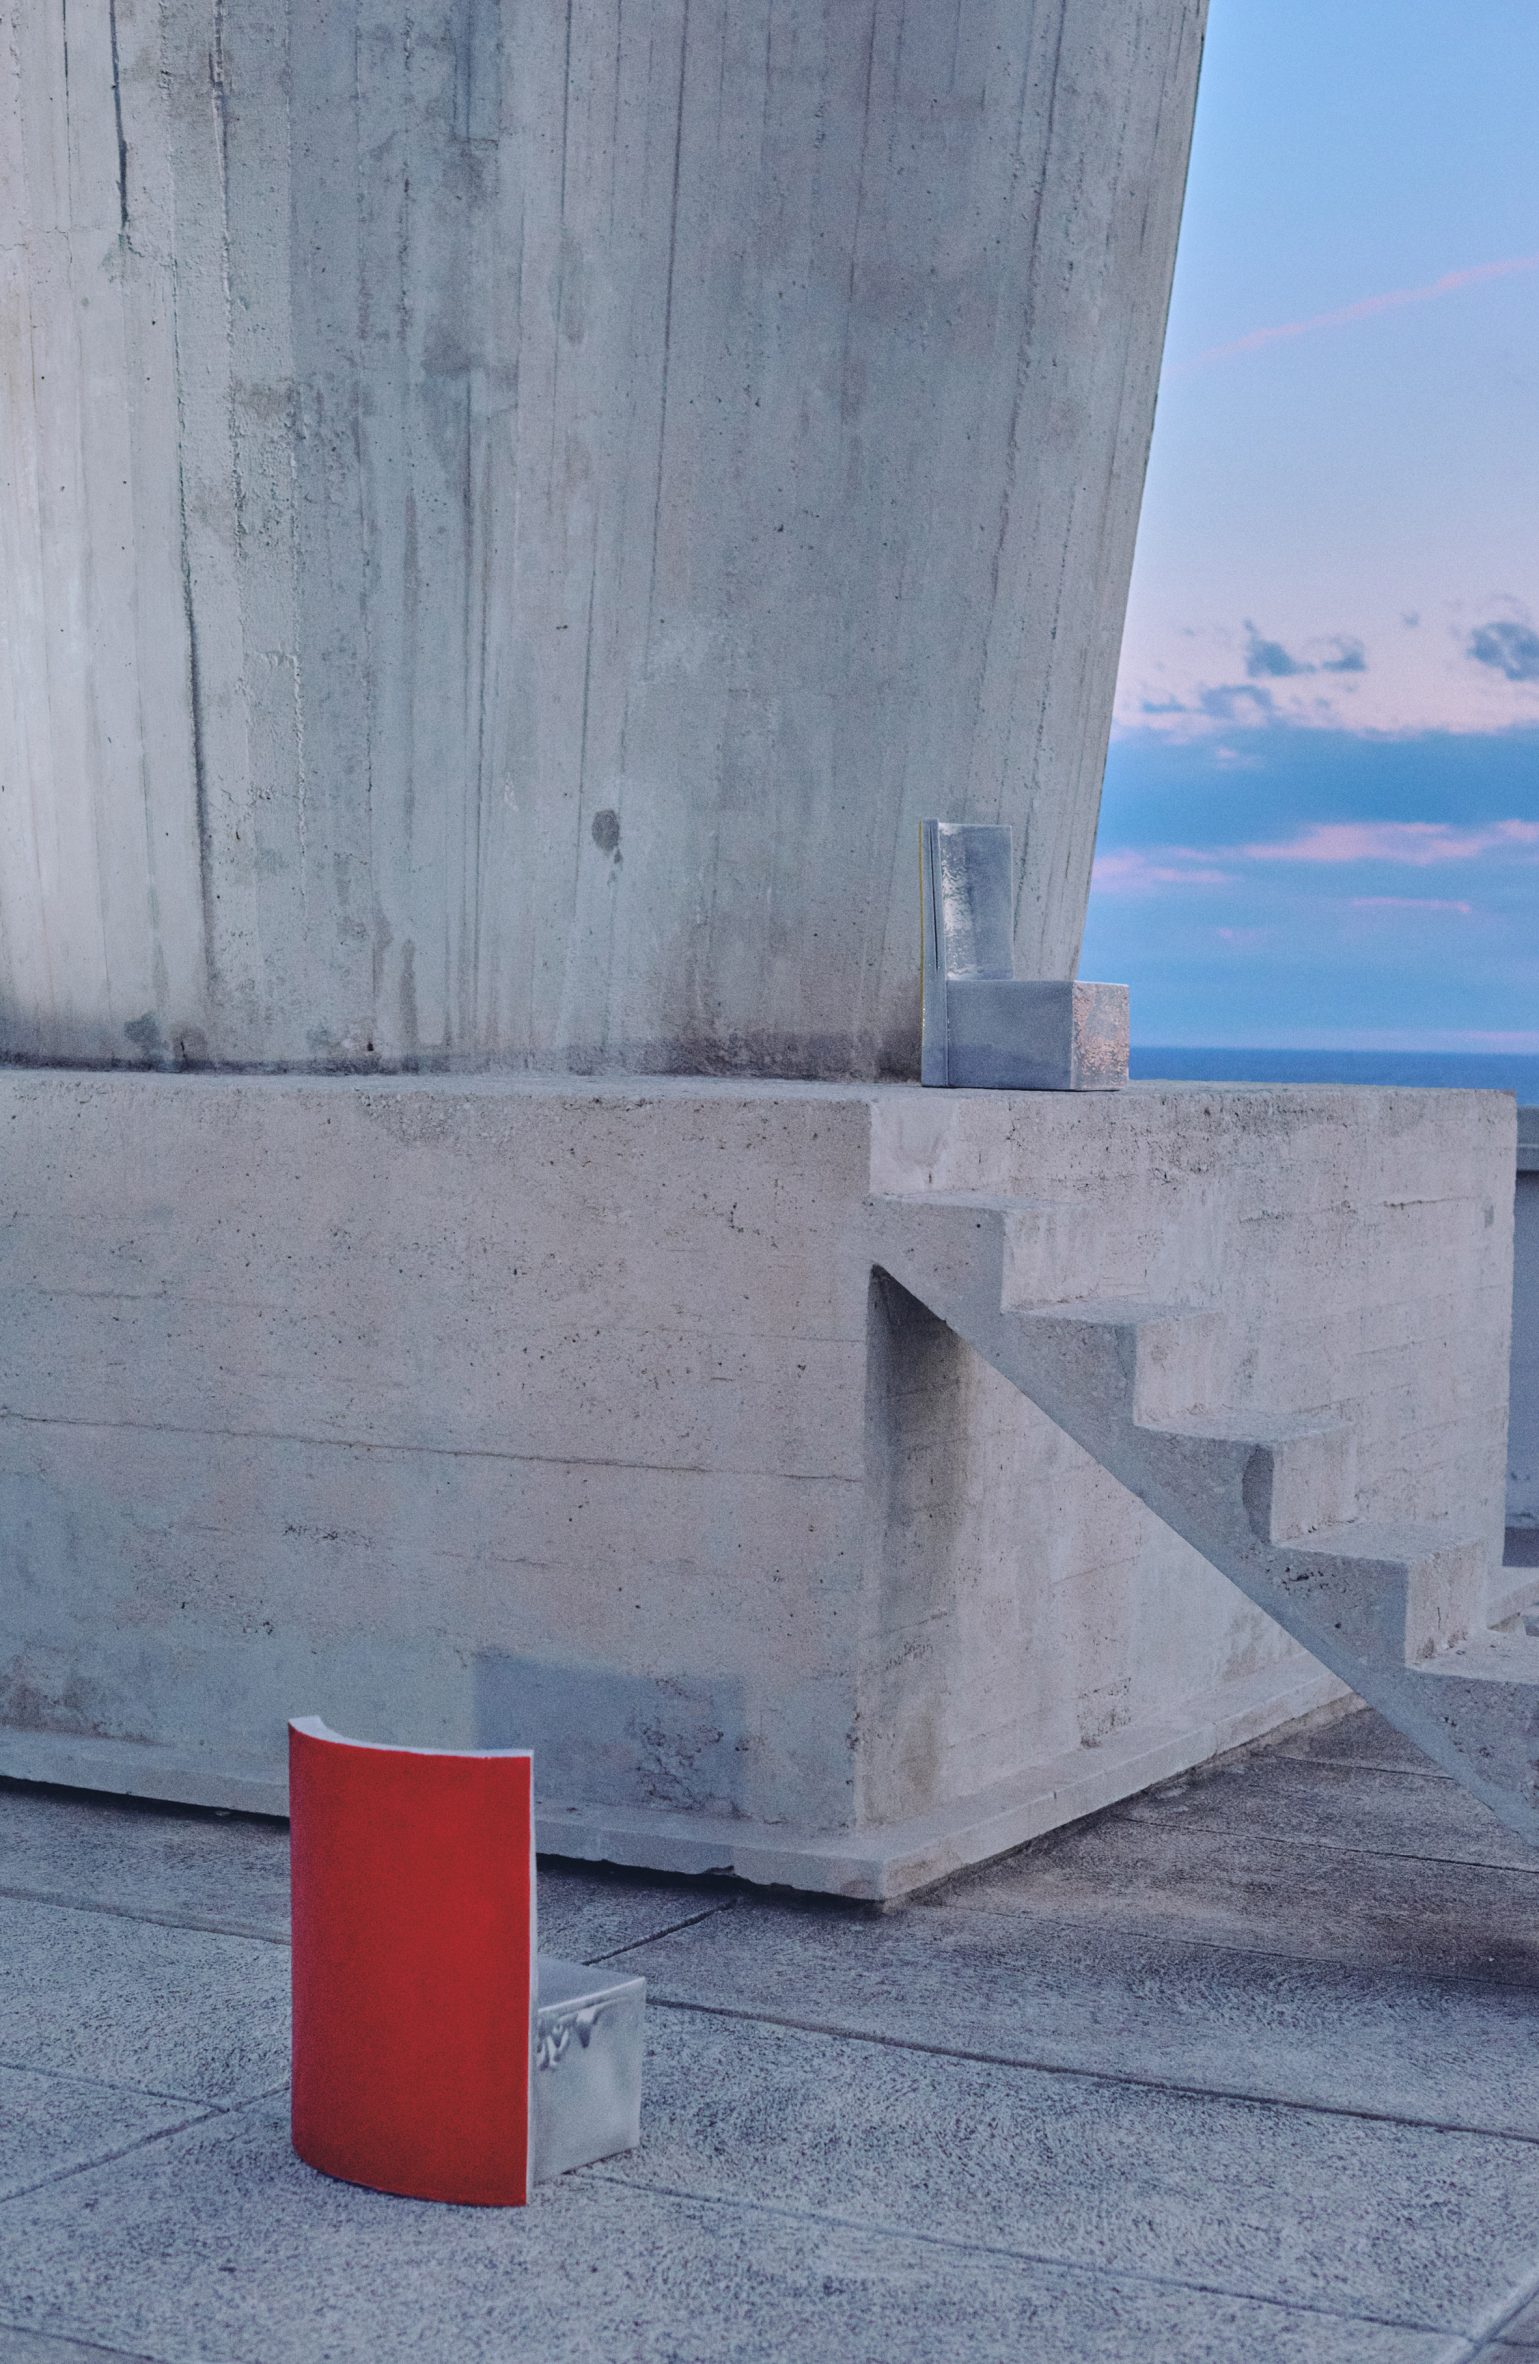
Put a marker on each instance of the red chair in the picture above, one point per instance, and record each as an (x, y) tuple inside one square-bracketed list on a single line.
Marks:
[(435, 2054)]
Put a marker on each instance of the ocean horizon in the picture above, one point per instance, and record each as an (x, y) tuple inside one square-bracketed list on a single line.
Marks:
[(1492, 1071)]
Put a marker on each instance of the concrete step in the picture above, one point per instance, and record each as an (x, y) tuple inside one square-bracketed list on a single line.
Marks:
[(1475, 1710), (1391, 1595), (1270, 1499), (994, 1250)]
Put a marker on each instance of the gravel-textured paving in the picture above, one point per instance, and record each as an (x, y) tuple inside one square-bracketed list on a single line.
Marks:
[(1243, 2070)]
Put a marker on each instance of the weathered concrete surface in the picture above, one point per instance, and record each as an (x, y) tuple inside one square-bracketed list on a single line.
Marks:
[(571, 1416), (514, 511), (1399, 1607), (1013, 2120), (1523, 1428)]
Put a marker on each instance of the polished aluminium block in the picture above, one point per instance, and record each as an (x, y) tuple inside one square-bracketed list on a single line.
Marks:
[(984, 1028), (1036, 1034), (588, 2043)]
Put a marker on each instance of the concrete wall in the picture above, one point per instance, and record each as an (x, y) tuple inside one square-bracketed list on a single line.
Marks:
[(573, 1416), (514, 511), (1523, 1429)]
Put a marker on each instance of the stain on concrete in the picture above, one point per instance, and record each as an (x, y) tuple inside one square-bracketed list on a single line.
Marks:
[(601, 1737)]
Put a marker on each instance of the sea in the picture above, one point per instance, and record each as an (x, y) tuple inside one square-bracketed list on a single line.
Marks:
[(1489, 1071)]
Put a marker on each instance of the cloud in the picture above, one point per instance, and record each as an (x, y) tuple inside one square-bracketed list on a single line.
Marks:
[(1132, 870), (1366, 308), (1349, 658), (1509, 649), (1268, 659), (1235, 701), (1409, 903), (1415, 845), (1420, 844)]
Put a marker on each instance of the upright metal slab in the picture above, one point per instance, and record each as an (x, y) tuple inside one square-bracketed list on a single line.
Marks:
[(967, 873), (983, 1027), (588, 2044)]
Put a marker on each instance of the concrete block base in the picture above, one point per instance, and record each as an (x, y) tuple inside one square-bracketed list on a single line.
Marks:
[(875, 1865), (577, 1416), (1036, 1034)]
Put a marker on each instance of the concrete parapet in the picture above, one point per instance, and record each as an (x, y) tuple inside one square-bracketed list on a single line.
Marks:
[(576, 1416)]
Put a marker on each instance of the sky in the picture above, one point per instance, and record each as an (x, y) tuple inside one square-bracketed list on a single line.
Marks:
[(1320, 824)]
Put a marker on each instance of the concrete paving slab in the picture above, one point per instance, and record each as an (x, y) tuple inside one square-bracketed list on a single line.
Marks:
[(1360, 1738), (1523, 2331), (230, 1872), (211, 1870), (1400, 2222), (1357, 1807), (51, 2125), (218, 2243), (587, 1914), (183, 2012), (1272, 1895), (32, 2347), (1166, 2011)]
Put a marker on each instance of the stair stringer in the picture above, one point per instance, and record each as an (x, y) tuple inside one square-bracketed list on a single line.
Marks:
[(1269, 1502)]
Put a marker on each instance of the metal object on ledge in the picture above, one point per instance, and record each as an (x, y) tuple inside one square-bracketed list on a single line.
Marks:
[(984, 1027)]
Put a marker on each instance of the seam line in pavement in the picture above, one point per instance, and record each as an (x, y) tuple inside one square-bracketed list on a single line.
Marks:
[(199, 2117), (1511, 2308), (110, 2158), (1146, 1934), (728, 1904), (1427, 1772), (32, 2068), (243, 1929), (842, 2033), (1079, 2267), (73, 2339), (126, 1912), (1313, 1840)]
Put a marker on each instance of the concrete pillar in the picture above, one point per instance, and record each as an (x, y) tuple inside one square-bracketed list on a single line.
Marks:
[(517, 509)]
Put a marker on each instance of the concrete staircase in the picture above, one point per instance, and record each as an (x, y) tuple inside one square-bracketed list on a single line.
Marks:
[(1270, 1500)]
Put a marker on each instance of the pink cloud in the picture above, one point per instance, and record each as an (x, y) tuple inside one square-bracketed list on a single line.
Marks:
[(1366, 308), (1130, 870), (1421, 844), (1408, 903)]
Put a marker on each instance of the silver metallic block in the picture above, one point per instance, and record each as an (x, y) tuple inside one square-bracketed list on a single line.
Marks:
[(1036, 1035), (588, 2041), (984, 1028)]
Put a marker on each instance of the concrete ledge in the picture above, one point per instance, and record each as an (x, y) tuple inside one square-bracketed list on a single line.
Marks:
[(141, 1769), (877, 1866), (880, 1866)]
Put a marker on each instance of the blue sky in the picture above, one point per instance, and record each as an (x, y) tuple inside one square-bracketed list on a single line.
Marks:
[(1321, 817)]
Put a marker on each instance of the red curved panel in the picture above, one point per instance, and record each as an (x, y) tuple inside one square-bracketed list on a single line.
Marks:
[(413, 1911)]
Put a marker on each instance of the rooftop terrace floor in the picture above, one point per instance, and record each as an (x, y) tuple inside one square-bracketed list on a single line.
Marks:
[(1243, 2070)]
